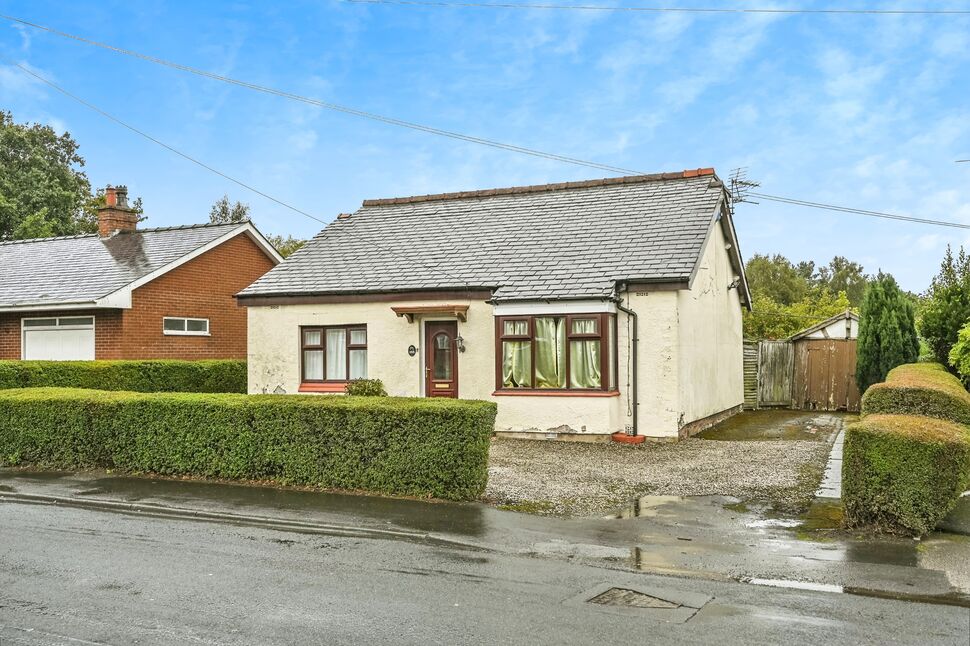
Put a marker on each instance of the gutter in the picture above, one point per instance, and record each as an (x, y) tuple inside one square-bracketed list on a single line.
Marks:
[(633, 359)]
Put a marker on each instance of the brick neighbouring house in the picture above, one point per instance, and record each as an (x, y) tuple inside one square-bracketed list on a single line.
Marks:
[(129, 293)]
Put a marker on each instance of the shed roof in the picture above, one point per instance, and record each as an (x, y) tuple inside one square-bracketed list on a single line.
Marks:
[(85, 268), (572, 240)]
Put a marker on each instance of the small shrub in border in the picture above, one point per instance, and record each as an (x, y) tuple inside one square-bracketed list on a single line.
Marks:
[(919, 389), (416, 447), (366, 388), (210, 376), (903, 473)]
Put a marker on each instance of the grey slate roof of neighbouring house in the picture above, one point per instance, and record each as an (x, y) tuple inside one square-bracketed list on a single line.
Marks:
[(84, 268), (555, 241)]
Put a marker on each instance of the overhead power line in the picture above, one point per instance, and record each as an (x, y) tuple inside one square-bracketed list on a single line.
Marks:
[(432, 130), (218, 172), (847, 209), (332, 106), (700, 10)]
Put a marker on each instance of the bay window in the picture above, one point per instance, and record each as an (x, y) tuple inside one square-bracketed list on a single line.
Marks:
[(333, 353), (556, 352)]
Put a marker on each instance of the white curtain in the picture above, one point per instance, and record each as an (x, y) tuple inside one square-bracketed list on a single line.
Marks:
[(358, 364), (313, 364), (336, 354)]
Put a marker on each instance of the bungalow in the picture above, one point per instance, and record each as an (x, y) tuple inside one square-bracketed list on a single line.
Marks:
[(129, 293), (582, 308)]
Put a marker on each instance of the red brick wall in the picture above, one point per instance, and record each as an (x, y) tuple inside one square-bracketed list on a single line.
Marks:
[(107, 326), (201, 288)]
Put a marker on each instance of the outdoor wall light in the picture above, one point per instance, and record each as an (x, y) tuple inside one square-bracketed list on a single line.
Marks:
[(734, 283), (460, 343)]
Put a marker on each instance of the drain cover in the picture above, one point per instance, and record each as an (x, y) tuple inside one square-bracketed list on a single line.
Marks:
[(632, 599)]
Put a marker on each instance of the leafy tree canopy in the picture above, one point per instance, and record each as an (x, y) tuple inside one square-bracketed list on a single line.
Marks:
[(788, 297), (770, 319), (945, 308), (224, 211), (43, 191)]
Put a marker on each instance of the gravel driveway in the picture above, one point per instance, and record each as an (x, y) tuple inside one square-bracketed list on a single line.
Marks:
[(578, 479)]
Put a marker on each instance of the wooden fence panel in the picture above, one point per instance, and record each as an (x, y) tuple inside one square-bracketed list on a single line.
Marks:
[(751, 375), (775, 373)]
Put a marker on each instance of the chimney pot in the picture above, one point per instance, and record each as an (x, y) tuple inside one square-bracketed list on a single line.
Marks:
[(116, 215)]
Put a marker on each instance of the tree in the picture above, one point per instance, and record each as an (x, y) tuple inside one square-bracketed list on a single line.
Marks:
[(842, 275), (887, 331), (776, 278), (286, 246), (946, 305), (222, 212), (43, 190), (769, 319)]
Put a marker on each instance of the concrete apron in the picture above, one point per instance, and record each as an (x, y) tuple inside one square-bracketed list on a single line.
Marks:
[(707, 537)]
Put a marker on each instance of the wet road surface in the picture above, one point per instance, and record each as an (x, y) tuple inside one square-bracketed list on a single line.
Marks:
[(89, 576)]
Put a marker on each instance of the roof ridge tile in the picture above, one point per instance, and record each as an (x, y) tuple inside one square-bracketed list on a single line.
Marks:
[(543, 188)]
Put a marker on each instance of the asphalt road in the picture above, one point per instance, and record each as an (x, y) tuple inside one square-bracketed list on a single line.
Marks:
[(79, 576)]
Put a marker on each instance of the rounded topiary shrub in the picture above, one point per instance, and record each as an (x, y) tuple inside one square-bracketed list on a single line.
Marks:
[(903, 473)]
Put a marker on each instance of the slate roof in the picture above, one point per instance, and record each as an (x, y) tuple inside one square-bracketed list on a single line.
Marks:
[(84, 268), (555, 241)]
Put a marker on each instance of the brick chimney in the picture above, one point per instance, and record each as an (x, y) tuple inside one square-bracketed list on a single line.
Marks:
[(116, 215)]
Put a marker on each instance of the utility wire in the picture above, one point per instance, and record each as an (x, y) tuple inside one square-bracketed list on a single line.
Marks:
[(847, 209), (432, 130), (333, 106), (209, 168), (710, 10)]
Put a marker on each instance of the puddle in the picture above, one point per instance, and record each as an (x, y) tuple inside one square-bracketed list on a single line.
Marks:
[(796, 585), (775, 425), (768, 523), (7, 489), (951, 599)]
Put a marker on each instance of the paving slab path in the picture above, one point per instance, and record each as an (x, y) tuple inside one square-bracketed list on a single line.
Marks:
[(831, 486)]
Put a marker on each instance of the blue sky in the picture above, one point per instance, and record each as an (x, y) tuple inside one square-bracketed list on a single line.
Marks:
[(863, 111)]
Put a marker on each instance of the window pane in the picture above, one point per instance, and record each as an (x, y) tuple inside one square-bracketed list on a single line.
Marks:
[(441, 365), (584, 326), (312, 337), (550, 352), (611, 349), (336, 354), (40, 322), (516, 328), (358, 337), (197, 325), (517, 364), (76, 320), (313, 364), (174, 325), (584, 364), (358, 364)]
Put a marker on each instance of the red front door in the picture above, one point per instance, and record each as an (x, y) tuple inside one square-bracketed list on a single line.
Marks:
[(441, 359)]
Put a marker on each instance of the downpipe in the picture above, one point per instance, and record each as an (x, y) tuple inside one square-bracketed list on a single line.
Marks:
[(633, 358)]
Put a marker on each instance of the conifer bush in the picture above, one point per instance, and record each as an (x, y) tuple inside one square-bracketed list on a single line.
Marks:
[(887, 332)]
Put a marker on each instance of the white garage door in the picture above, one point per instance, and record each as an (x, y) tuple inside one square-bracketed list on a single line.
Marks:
[(65, 338)]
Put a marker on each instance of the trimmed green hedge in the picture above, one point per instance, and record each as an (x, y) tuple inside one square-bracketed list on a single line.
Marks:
[(214, 376), (419, 447), (903, 473), (919, 389)]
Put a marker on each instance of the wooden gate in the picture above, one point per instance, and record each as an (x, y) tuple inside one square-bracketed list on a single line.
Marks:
[(824, 375), (775, 373)]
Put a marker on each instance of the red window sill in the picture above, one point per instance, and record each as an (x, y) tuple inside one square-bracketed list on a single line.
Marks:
[(328, 387), (555, 393)]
